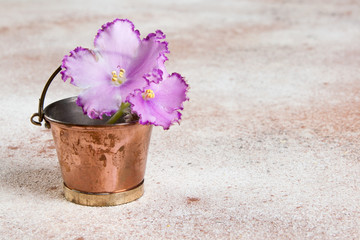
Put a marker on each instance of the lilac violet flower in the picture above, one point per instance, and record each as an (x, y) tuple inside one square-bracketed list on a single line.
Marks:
[(159, 103), (124, 71)]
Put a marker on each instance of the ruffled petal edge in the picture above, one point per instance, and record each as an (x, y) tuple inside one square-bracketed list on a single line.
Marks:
[(94, 114), (175, 110), (96, 109), (162, 58), (182, 79), (107, 25), (64, 75), (141, 121), (147, 44)]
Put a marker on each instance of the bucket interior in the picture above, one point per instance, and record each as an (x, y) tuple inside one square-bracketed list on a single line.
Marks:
[(66, 111)]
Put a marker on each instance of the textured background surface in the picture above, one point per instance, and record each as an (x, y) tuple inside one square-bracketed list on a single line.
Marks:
[(269, 144)]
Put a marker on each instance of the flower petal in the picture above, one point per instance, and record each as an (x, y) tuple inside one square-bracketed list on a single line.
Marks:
[(150, 112), (131, 85), (84, 68), (150, 52), (144, 68), (155, 76), (162, 110), (118, 40), (161, 63), (97, 101), (171, 92)]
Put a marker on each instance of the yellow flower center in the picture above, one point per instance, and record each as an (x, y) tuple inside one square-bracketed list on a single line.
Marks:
[(120, 78), (148, 94)]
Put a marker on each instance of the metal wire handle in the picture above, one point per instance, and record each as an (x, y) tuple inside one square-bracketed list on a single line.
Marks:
[(40, 113)]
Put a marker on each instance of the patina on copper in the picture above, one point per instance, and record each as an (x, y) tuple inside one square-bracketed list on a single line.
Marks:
[(96, 157)]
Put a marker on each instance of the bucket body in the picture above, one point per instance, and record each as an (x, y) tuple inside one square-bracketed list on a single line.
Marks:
[(96, 158)]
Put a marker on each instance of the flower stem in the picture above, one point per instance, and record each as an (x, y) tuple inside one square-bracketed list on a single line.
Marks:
[(118, 114)]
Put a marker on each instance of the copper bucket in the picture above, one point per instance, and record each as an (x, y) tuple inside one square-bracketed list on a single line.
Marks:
[(101, 165)]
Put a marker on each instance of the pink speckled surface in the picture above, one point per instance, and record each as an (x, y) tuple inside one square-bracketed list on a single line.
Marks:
[(269, 144)]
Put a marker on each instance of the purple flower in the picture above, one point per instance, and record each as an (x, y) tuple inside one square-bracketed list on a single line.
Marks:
[(159, 102), (120, 63)]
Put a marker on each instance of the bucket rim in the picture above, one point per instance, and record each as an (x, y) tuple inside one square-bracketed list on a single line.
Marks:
[(69, 124)]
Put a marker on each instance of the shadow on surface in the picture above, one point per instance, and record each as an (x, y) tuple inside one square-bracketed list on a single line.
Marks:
[(40, 182)]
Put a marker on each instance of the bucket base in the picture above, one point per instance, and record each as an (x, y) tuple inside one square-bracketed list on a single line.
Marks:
[(103, 200)]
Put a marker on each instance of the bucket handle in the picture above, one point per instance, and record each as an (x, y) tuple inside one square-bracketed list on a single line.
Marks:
[(40, 113)]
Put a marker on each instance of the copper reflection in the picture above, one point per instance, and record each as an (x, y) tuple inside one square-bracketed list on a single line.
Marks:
[(102, 159)]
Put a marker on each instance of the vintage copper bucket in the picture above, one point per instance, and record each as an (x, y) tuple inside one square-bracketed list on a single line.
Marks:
[(101, 164)]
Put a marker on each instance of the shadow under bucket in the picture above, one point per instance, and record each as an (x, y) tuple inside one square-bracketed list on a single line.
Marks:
[(101, 165)]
